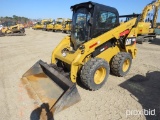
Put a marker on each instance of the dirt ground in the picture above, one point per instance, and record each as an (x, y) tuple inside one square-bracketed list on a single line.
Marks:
[(121, 98)]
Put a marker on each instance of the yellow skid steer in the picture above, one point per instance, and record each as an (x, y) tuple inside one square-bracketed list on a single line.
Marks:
[(11, 28), (98, 43)]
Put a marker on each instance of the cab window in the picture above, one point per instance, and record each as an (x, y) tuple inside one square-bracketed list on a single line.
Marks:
[(106, 20)]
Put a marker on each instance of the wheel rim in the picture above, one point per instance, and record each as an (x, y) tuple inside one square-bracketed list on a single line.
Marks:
[(126, 65), (99, 75)]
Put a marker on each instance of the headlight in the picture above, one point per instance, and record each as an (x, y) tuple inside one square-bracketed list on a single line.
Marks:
[(64, 54)]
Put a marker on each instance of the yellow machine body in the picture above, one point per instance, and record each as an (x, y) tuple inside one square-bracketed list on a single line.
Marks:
[(40, 25), (50, 26), (77, 59), (11, 28), (58, 24), (55, 84)]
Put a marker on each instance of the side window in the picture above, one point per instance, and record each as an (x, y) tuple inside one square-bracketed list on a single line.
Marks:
[(106, 20)]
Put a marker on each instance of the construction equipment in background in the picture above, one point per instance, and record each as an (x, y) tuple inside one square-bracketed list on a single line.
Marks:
[(45, 25), (49, 27), (58, 24), (37, 26), (146, 26), (41, 24), (66, 26), (98, 43), (11, 28)]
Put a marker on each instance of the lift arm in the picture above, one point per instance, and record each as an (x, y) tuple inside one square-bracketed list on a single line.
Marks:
[(155, 17), (149, 7)]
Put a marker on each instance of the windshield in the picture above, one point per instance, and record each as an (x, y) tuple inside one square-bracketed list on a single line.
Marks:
[(80, 27)]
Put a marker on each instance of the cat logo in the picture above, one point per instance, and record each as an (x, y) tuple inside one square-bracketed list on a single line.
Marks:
[(130, 41)]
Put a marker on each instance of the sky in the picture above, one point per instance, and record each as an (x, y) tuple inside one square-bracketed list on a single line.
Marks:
[(45, 9)]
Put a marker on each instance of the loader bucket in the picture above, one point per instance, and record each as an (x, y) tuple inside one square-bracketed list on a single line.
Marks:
[(50, 87)]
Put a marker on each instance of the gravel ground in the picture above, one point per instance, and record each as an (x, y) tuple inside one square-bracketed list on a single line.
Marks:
[(121, 98)]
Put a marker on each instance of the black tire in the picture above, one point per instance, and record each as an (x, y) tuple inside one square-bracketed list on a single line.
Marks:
[(88, 71), (117, 64)]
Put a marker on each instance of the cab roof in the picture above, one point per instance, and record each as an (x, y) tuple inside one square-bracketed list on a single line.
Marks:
[(86, 4)]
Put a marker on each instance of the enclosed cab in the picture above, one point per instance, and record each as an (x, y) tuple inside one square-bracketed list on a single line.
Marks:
[(91, 20)]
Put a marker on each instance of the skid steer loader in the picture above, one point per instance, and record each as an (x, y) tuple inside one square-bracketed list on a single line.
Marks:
[(97, 44), (11, 28)]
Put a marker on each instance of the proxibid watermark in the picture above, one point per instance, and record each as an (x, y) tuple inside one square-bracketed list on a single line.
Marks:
[(140, 112)]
